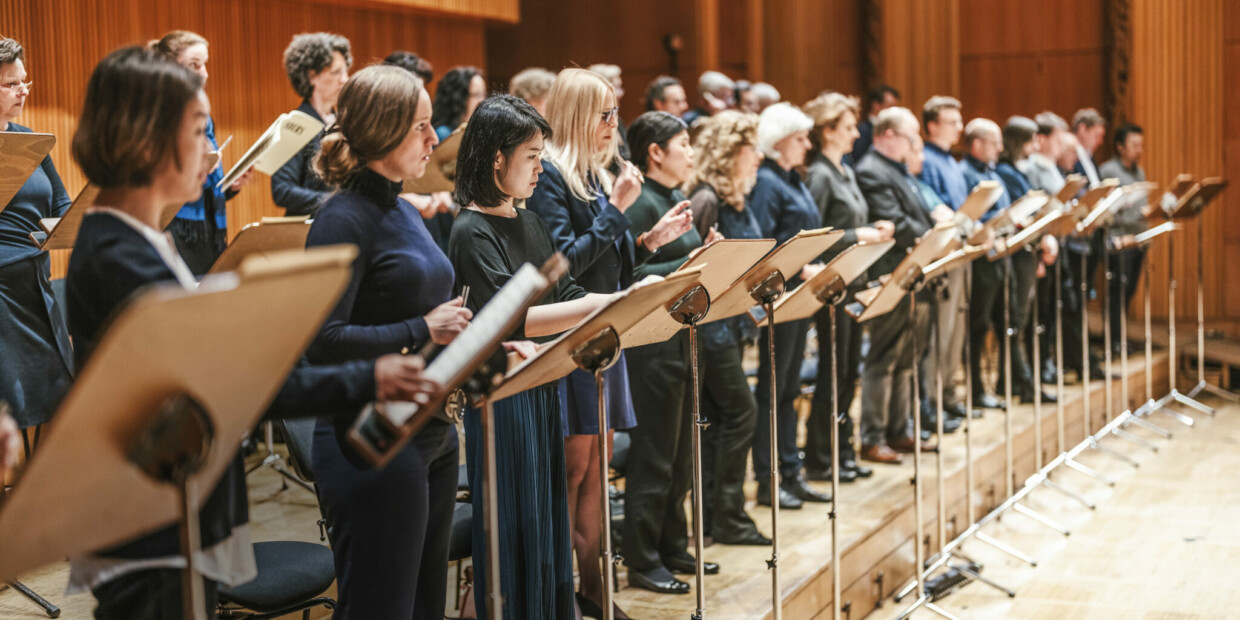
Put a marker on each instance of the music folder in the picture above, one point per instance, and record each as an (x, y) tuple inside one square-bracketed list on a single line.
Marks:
[(805, 300), (1102, 211), (290, 132), (981, 199), (554, 359), (1196, 199), (229, 344), (20, 154), (269, 235), (1007, 246), (1127, 242), (440, 173)]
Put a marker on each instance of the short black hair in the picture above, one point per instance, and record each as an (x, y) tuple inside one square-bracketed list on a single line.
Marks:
[(131, 121), (500, 124), (652, 128), (412, 63), (654, 92), (1122, 133), (880, 92)]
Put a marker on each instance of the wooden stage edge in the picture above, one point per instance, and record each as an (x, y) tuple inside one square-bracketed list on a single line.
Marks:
[(876, 515)]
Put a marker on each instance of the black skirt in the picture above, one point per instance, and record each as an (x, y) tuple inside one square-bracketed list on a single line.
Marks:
[(36, 359)]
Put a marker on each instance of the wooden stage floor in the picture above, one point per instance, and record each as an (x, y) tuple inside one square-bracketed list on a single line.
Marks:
[(876, 524)]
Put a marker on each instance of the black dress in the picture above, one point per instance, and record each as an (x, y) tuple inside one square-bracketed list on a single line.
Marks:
[(36, 359), (536, 564)]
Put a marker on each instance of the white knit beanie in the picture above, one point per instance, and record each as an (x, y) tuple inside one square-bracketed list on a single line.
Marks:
[(778, 122)]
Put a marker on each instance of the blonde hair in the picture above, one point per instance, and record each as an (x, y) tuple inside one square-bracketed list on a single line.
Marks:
[(826, 110), (714, 154), (375, 112), (574, 109)]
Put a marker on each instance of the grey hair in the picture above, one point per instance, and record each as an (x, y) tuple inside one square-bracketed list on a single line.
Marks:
[(1048, 122), (712, 81), (765, 92), (11, 51), (894, 117), (312, 51), (979, 128)]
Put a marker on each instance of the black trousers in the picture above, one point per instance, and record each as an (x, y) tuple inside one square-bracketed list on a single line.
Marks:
[(848, 362), (729, 406), (390, 527), (789, 354), (1126, 267), (154, 594), (660, 466), (890, 369), (1073, 345), (1022, 282), (986, 311)]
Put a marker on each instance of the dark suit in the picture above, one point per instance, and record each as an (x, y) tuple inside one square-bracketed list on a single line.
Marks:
[(296, 186), (891, 194)]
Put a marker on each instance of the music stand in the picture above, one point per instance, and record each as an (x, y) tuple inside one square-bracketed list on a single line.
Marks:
[(174, 370), (722, 262), (1210, 189), (262, 238), (21, 153), (594, 346), (763, 284), (60, 233), (441, 169), (900, 284), (830, 287)]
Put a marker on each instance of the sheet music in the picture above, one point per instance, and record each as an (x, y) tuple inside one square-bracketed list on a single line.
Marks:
[(283, 139), (481, 332)]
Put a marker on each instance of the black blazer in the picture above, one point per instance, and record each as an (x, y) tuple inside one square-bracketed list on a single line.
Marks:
[(296, 186), (595, 237), (888, 190)]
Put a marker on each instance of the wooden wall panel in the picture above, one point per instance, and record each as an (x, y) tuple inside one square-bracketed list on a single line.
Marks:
[(920, 42), (563, 33), (503, 10), (248, 87), (1026, 57), (1231, 163), (1178, 94), (812, 45)]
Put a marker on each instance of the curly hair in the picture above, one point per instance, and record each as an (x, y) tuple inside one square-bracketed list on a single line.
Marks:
[(412, 63), (714, 154), (451, 97), (312, 51)]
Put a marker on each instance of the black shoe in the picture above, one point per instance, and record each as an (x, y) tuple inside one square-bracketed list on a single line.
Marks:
[(658, 580), (685, 565), (950, 424), (787, 501), (986, 400), (1096, 373), (954, 410), (753, 538), (801, 489), (1047, 397), (590, 609), (853, 466), (824, 475), (1048, 372)]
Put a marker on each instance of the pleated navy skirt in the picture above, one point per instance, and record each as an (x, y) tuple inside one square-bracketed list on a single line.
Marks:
[(536, 566), (36, 360)]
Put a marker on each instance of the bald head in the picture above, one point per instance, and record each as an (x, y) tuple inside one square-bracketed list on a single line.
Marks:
[(894, 132), (983, 140)]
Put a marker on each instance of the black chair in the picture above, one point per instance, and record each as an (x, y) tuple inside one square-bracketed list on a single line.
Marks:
[(459, 549), (292, 575)]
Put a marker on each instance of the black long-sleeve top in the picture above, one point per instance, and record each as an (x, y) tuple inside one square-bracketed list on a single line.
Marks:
[(43, 195), (399, 276), (486, 250), (840, 202), (656, 200), (110, 264), (891, 194), (296, 186)]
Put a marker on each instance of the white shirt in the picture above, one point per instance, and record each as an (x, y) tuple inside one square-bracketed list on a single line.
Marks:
[(1087, 162)]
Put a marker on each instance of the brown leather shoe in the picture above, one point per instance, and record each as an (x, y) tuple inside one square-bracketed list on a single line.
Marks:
[(881, 454), (905, 444)]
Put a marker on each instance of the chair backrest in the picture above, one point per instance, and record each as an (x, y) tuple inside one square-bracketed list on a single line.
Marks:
[(299, 438)]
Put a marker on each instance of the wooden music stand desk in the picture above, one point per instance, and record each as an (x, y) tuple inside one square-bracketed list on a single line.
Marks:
[(263, 238), (847, 266), (20, 154)]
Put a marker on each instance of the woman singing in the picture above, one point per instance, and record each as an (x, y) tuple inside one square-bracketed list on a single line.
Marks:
[(583, 204), (500, 162)]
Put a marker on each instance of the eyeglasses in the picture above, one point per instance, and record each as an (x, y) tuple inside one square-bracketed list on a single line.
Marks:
[(14, 87), (611, 115)]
